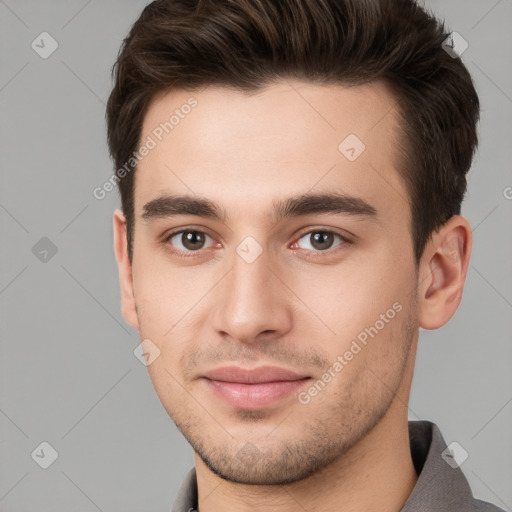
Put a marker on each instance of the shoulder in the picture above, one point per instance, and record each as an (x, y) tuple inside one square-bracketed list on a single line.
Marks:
[(441, 483)]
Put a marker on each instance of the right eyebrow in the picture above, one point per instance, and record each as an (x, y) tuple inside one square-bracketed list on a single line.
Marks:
[(169, 206)]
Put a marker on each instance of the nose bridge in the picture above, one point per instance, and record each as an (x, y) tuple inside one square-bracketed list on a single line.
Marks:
[(252, 301), (249, 278)]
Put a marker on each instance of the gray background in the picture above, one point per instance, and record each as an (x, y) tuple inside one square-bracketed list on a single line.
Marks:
[(68, 375)]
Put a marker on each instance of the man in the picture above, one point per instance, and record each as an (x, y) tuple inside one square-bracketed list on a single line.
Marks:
[(291, 175)]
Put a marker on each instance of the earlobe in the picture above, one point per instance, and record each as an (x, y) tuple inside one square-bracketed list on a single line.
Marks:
[(128, 304), (443, 270)]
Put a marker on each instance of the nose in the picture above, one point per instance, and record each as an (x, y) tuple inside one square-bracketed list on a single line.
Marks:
[(253, 304)]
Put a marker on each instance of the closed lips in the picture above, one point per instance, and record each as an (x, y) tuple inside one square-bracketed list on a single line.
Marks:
[(253, 376)]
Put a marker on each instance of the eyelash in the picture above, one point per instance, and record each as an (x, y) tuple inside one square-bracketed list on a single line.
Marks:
[(313, 254)]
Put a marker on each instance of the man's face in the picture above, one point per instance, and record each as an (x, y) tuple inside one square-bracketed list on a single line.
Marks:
[(326, 299)]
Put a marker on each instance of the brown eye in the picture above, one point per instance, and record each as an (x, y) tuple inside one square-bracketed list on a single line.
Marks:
[(188, 240), (320, 240)]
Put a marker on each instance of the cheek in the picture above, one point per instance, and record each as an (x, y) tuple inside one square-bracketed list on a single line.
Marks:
[(351, 296), (372, 360), (368, 311), (165, 294), (169, 387), (170, 313)]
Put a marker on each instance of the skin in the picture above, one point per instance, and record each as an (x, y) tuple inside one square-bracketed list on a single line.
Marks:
[(296, 306)]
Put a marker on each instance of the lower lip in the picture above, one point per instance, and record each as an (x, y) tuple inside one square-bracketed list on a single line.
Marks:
[(254, 396)]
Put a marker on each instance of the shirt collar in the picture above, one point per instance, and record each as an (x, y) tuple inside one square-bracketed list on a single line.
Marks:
[(439, 486)]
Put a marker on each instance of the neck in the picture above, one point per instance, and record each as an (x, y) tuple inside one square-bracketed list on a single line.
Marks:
[(375, 475)]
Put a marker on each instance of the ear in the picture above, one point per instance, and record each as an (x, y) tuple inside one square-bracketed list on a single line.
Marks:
[(442, 272), (125, 270)]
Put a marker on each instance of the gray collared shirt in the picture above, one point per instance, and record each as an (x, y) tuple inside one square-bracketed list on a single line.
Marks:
[(439, 487)]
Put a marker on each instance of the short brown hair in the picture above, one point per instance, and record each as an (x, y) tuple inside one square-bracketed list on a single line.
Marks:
[(248, 44)]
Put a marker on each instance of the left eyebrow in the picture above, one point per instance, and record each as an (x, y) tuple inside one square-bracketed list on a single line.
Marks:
[(305, 204), (338, 204)]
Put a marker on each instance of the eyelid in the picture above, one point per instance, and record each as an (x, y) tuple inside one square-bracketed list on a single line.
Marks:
[(345, 235), (173, 232)]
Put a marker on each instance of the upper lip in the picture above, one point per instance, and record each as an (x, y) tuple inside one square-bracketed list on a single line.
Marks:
[(253, 376)]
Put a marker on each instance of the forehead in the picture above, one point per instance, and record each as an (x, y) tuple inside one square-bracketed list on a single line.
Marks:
[(289, 138)]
